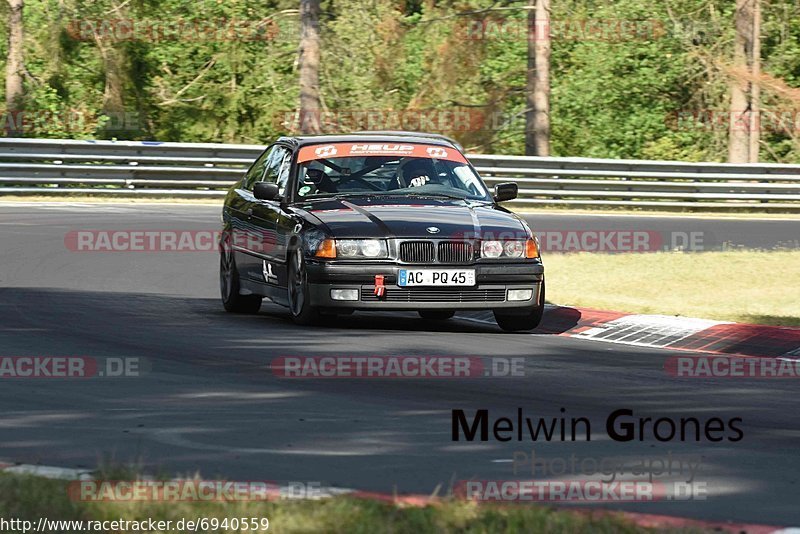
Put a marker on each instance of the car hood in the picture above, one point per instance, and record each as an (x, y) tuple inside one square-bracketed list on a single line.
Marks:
[(415, 217)]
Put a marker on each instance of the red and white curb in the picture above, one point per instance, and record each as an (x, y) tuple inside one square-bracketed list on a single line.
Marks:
[(668, 332), (284, 492)]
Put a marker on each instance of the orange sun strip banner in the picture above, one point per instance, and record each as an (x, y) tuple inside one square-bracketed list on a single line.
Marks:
[(350, 150)]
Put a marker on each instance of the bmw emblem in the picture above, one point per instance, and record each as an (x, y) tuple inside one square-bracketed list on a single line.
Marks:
[(432, 230)]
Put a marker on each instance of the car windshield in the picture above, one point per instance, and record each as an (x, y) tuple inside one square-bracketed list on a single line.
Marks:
[(390, 175)]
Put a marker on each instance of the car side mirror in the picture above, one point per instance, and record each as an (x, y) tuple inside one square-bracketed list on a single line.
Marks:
[(265, 191), (505, 191)]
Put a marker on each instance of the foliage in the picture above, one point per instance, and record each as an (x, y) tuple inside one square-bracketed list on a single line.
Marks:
[(186, 77)]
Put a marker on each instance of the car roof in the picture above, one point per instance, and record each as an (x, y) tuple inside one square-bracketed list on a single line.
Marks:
[(372, 137)]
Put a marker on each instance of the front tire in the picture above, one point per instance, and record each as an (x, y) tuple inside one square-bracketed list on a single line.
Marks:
[(303, 313), (229, 286), (528, 321)]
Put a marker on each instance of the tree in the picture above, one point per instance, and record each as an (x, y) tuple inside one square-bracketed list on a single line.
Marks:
[(755, 88), (743, 132), (309, 67), (537, 115), (14, 63), (114, 66)]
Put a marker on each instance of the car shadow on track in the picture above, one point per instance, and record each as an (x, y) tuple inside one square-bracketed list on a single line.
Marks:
[(61, 304), (556, 320)]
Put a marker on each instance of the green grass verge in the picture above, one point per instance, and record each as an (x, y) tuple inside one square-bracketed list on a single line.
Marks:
[(661, 212), (29, 498), (742, 286)]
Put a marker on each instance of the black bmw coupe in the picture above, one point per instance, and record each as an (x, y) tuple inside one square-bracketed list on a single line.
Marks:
[(376, 221)]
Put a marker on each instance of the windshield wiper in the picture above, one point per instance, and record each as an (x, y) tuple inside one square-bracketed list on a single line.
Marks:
[(435, 195), (360, 195)]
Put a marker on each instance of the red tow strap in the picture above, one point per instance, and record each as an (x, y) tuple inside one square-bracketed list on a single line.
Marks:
[(380, 289)]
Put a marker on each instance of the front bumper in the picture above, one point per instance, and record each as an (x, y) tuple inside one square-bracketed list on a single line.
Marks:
[(493, 281)]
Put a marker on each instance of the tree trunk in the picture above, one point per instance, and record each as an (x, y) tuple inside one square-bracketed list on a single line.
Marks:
[(537, 116), (740, 117), (755, 87), (14, 66), (114, 67), (309, 67)]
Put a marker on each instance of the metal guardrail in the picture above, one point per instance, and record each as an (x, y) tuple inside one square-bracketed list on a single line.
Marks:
[(47, 167)]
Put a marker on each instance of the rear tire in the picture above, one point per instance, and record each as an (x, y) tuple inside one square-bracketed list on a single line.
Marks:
[(229, 286), (436, 315), (303, 313), (528, 321)]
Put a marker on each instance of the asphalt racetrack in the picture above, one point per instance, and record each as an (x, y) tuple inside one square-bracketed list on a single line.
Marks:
[(210, 403)]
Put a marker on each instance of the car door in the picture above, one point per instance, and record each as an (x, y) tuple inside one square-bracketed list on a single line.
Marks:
[(286, 221), (264, 249), (240, 210)]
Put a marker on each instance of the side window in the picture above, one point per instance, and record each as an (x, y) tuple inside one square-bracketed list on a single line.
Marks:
[(283, 172), (275, 163), (256, 171)]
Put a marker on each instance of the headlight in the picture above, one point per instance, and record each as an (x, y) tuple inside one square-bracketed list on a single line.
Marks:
[(510, 249), (361, 248), (491, 249), (347, 249), (372, 248), (514, 249)]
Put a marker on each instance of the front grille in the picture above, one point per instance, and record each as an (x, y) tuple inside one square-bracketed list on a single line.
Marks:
[(434, 295), (416, 252), (455, 252)]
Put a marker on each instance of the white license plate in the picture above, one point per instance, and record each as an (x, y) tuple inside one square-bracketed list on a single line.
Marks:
[(436, 277)]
